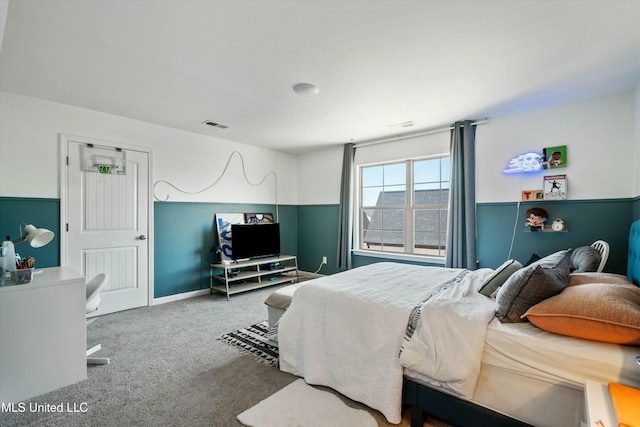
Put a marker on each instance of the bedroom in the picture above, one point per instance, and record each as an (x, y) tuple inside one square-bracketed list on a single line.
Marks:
[(182, 227), (586, 126)]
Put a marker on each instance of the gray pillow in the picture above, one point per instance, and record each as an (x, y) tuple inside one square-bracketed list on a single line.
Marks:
[(531, 285), (499, 276), (585, 258), (534, 258)]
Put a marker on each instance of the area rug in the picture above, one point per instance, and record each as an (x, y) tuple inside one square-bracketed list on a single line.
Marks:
[(299, 404), (255, 341)]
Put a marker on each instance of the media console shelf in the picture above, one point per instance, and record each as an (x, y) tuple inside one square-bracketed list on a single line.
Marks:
[(242, 276)]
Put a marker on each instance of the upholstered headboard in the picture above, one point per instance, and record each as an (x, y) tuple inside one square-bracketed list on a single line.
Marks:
[(633, 263)]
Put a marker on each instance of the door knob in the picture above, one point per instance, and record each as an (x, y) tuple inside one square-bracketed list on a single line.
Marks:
[(142, 237)]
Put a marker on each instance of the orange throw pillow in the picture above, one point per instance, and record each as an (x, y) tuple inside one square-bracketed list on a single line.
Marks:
[(595, 311), (592, 277)]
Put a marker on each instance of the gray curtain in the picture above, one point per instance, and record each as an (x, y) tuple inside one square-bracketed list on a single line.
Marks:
[(345, 217), (461, 228)]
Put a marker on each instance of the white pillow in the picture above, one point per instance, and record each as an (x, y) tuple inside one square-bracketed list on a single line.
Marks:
[(499, 276)]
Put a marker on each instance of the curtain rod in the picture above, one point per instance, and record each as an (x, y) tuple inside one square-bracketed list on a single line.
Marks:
[(414, 135)]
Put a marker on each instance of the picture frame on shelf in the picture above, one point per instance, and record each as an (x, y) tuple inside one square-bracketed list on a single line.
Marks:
[(555, 187), (555, 157), (223, 226)]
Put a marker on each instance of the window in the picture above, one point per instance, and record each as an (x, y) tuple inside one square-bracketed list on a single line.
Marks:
[(403, 206)]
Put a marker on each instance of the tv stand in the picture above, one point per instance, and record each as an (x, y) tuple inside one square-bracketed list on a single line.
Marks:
[(241, 276)]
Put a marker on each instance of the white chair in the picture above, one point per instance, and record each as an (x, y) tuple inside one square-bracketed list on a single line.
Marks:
[(94, 287), (602, 247)]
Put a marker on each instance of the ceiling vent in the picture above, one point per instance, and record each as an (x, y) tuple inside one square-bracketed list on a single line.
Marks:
[(402, 125), (214, 124)]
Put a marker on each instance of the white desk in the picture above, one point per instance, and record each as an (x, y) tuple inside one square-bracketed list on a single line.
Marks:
[(42, 334), (598, 405)]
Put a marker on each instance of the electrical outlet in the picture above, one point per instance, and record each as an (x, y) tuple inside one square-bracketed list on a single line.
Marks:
[(324, 259)]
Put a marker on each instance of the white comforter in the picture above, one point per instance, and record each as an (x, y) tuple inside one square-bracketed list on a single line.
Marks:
[(345, 331)]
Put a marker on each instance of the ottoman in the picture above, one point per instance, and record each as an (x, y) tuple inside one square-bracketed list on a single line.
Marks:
[(278, 302)]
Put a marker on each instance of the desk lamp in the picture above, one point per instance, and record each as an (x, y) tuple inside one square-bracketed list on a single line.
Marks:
[(37, 237)]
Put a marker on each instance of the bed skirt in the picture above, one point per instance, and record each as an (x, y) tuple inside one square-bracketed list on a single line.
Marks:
[(528, 401)]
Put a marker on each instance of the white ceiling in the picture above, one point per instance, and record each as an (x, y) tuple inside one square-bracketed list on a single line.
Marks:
[(377, 63)]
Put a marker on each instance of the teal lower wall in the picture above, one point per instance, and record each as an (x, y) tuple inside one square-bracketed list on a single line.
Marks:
[(42, 213), (586, 220), (318, 237), (184, 233)]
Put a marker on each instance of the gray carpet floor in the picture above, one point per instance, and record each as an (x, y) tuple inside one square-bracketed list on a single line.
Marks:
[(167, 369)]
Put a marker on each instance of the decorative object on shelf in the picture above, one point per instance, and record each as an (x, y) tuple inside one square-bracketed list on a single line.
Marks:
[(223, 225), (530, 195), (536, 217), (555, 157), (555, 187), (258, 218), (558, 225)]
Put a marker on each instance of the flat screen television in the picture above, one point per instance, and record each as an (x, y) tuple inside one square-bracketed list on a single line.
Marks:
[(254, 240)]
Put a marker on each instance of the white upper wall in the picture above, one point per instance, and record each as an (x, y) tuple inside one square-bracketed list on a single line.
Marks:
[(603, 157), (602, 137), (29, 155), (319, 177), (598, 133), (434, 144), (319, 172)]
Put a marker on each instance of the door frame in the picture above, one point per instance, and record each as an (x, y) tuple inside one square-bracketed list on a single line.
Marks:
[(64, 140)]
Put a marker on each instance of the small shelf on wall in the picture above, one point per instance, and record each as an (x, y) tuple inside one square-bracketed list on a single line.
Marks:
[(546, 230)]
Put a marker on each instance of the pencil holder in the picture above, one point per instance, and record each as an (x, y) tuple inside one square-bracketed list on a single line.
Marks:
[(22, 276)]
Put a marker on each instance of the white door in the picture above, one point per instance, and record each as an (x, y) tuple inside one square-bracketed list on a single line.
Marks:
[(106, 221)]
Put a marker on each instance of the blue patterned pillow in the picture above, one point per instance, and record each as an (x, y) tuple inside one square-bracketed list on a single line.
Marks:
[(531, 285)]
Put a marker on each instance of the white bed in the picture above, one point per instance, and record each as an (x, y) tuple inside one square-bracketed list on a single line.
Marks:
[(538, 377), (347, 330)]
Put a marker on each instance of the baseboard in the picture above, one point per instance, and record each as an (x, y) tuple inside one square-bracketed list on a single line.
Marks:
[(178, 297), (303, 275), (308, 274)]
